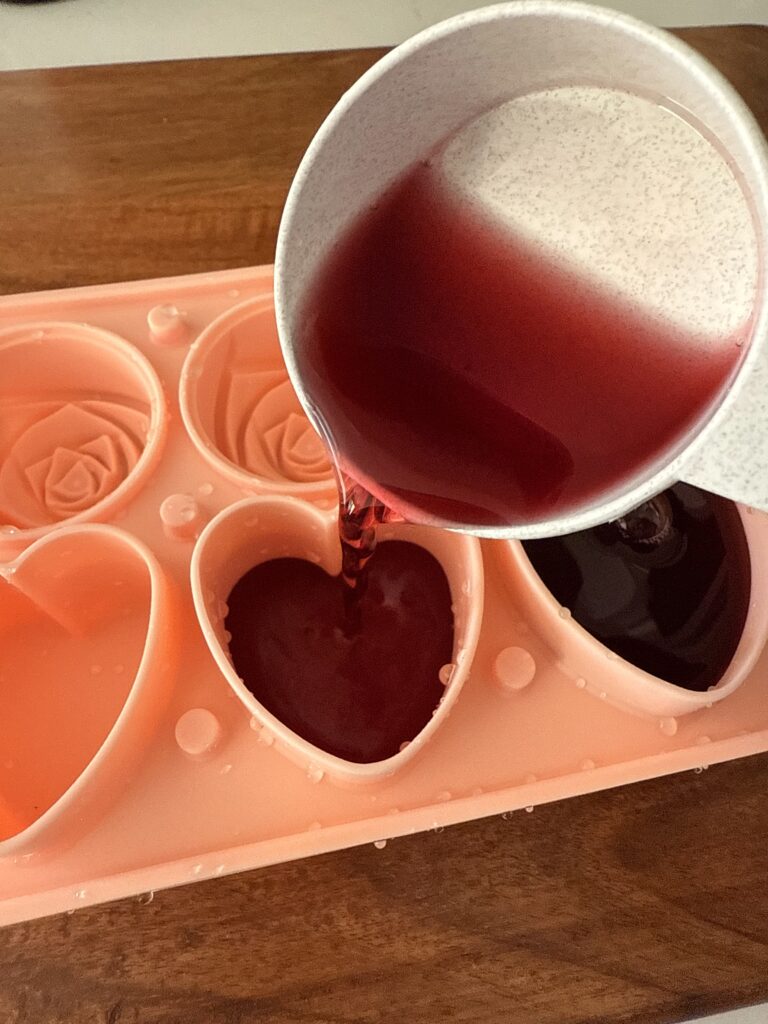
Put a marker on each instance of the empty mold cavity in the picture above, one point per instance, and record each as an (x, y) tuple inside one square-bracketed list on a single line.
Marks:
[(83, 637), (81, 419), (241, 411)]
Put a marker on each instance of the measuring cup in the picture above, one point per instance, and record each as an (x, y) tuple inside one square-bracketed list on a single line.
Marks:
[(440, 81)]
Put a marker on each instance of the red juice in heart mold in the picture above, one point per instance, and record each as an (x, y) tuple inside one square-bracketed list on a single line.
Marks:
[(467, 378), (358, 694)]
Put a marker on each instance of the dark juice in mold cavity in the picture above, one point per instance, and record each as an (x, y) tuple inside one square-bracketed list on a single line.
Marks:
[(359, 693), (672, 602)]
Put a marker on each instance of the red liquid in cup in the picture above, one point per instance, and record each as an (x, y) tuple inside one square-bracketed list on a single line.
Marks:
[(467, 379)]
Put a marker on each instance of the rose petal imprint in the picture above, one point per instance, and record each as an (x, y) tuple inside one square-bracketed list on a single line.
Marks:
[(69, 459)]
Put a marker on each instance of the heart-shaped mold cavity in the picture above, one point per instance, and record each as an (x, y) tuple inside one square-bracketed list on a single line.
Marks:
[(241, 411), (81, 425), (261, 530), (85, 656), (599, 669), (331, 668)]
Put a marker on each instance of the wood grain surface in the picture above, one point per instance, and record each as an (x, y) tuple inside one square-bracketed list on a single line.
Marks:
[(647, 904)]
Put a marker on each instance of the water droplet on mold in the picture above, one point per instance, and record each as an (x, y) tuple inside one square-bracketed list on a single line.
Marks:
[(403, 745), (530, 809), (446, 673), (564, 613), (466, 588), (315, 774), (205, 490), (81, 894), (437, 829), (581, 683), (587, 764), (314, 826), (197, 870), (444, 796), (225, 769), (167, 324), (8, 530), (701, 740), (513, 669), (380, 844), (181, 517), (146, 898), (507, 815), (603, 695), (530, 778), (198, 732), (220, 870), (668, 726)]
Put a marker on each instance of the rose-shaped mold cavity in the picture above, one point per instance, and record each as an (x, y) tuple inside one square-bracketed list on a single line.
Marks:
[(86, 655), (259, 529), (604, 674), (81, 425), (241, 411)]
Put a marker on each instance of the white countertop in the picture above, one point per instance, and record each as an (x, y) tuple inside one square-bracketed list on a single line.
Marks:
[(71, 32)]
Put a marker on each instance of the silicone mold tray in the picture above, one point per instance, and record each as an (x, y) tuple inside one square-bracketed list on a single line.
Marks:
[(152, 450)]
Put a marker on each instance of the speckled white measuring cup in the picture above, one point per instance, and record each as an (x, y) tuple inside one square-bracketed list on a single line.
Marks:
[(434, 84)]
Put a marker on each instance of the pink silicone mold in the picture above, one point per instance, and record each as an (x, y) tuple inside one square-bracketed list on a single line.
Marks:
[(131, 755), (82, 417), (86, 658), (242, 413)]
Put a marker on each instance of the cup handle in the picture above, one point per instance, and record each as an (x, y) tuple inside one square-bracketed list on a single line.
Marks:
[(731, 459)]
